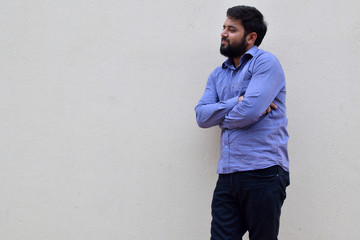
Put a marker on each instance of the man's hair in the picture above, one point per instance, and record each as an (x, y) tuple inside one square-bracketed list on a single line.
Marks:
[(251, 19)]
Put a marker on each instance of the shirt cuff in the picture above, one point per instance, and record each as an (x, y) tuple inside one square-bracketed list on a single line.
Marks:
[(231, 103)]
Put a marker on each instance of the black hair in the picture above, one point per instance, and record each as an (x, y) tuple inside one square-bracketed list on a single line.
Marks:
[(251, 19)]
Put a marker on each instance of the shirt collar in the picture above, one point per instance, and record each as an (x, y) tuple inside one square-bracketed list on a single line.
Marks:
[(249, 54)]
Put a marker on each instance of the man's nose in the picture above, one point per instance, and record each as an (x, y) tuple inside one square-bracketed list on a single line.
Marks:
[(224, 33)]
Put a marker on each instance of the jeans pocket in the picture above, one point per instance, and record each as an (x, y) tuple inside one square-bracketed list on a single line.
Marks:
[(283, 183)]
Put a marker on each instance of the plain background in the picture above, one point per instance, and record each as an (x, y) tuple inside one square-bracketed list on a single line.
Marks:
[(98, 138)]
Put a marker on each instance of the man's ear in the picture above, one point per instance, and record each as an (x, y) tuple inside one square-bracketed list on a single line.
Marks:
[(251, 38)]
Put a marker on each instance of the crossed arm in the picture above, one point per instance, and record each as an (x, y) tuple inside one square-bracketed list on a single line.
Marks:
[(209, 115), (268, 110), (239, 112)]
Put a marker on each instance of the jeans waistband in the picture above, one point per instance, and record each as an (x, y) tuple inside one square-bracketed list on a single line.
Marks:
[(266, 171)]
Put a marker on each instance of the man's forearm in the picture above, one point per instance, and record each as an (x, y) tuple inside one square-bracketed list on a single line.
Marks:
[(242, 115), (212, 114)]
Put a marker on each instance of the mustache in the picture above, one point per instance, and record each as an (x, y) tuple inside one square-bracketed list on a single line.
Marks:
[(225, 39)]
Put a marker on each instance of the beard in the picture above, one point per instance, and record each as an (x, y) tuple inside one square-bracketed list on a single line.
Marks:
[(234, 50)]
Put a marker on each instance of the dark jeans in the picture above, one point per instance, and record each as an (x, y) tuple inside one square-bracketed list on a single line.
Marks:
[(249, 201)]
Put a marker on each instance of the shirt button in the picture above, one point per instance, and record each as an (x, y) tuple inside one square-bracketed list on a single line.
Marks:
[(226, 147)]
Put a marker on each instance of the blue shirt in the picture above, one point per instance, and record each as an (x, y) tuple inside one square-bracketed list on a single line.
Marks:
[(250, 140)]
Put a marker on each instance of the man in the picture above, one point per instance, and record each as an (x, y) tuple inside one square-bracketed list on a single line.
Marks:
[(246, 98)]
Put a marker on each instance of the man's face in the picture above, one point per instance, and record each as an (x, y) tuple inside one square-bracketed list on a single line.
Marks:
[(233, 39)]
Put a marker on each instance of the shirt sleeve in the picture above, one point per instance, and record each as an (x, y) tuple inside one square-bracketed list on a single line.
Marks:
[(266, 82), (210, 111)]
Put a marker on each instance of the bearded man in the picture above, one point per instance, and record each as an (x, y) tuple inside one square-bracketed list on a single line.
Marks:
[(245, 97)]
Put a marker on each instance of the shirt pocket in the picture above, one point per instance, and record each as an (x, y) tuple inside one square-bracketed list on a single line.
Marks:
[(243, 85), (244, 81)]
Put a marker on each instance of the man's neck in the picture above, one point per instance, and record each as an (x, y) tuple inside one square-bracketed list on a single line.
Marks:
[(236, 62)]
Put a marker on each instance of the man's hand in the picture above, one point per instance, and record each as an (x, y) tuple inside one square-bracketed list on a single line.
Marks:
[(270, 108)]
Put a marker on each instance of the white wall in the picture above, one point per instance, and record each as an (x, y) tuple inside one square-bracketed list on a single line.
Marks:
[(98, 135)]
